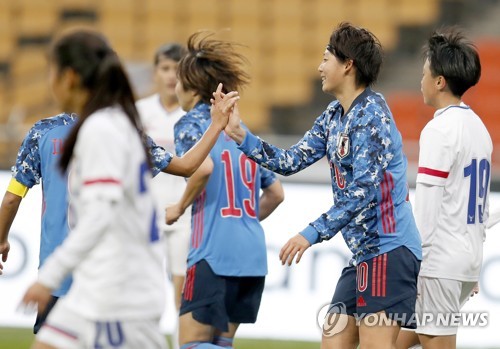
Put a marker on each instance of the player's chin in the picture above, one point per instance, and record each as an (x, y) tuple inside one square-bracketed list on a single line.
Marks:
[(326, 89)]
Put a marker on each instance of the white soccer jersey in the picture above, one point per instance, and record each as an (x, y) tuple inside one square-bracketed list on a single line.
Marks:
[(159, 125), (455, 153), (114, 251)]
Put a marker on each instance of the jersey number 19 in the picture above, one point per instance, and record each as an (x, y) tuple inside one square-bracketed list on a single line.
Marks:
[(479, 182), (248, 172)]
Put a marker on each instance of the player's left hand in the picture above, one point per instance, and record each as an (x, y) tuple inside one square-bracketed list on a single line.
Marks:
[(36, 294), (296, 246), (173, 213)]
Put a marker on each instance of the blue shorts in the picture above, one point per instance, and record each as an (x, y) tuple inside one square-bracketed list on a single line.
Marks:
[(386, 282), (218, 300)]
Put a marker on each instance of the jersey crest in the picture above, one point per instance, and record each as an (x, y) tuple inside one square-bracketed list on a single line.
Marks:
[(343, 145)]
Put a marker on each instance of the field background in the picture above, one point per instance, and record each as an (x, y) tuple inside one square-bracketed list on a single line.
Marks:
[(15, 338)]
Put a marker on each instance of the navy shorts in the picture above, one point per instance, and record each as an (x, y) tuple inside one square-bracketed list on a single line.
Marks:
[(386, 282), (218, 300)]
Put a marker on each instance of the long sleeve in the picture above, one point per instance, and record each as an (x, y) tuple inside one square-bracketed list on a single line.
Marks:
[(428, 199), (311, 148), (78, 244), (371, 152)]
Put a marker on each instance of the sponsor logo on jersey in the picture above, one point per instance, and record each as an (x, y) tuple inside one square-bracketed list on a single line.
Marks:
[(339, 177)]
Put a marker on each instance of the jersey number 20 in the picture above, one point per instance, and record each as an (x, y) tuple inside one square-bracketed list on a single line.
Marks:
[(248, 172), (479, 182)]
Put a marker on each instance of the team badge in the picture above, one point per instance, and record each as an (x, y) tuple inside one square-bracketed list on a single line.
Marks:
[(343, 145)]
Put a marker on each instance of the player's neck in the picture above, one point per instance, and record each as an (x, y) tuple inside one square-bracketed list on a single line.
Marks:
[(347, 96), (446, 100), (169, 103)]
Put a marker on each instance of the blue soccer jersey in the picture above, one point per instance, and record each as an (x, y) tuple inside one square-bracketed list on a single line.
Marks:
[(368, 170), (38, 160), (226, 231)]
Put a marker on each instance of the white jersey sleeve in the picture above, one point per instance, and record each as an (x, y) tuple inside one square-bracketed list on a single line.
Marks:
[(78, 244), (437, 155)]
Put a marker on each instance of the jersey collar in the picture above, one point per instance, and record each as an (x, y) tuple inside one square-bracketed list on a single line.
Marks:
[(442, 110)]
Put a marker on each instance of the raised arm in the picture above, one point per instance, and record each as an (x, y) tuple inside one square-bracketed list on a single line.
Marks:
[(306, 152), (191, 160)]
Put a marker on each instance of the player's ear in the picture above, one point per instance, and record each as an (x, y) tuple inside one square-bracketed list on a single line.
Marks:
[(440, 83), (348, 64), (70, 78)]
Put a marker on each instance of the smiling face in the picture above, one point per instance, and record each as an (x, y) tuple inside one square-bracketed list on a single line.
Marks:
[(331, 71)]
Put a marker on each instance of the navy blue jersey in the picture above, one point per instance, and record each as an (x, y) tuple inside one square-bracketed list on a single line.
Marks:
[(368, 170), (226, 231)]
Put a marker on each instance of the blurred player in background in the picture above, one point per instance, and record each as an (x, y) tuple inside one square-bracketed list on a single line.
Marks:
[(227, 260), (71, 85), (453, 183), (358, 135), (159, 113)]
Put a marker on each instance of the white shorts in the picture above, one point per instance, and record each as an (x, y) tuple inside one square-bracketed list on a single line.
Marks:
[(177, 242), (438, 302), (66, 329)]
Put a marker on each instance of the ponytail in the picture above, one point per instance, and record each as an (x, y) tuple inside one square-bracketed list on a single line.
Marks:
[(102, 74)]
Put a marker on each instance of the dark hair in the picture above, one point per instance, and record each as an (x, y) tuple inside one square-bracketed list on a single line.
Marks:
[(210, 62), (360, 45), (173, 51), (455, 58), (90, 56)]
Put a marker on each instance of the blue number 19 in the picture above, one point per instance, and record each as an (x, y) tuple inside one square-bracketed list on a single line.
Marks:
[(474, 195)]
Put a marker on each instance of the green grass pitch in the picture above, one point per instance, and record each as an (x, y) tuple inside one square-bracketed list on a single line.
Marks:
[(15, 338)]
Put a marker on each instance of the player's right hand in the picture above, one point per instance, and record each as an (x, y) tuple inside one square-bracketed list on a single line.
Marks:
[(36, 294), (173, 213), (296, 246)]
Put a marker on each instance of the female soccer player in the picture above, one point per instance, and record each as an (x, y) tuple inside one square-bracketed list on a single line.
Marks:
[(358, 135), (453, 183), (227, 260), (113, 251)]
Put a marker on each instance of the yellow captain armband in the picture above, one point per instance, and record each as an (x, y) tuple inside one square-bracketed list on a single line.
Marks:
[(17, 188)]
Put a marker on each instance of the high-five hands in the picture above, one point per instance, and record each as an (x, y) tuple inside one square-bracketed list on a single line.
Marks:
[(222, 106), (233, 128)]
